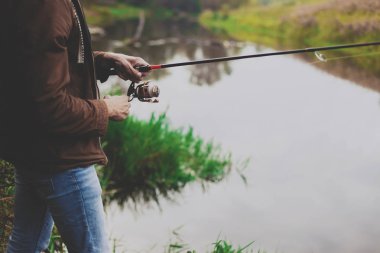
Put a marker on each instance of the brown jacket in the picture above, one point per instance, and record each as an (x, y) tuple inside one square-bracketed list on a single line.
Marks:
[(50, 115)]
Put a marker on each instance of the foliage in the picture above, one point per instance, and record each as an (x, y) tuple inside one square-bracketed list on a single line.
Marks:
[(102, 15), (105, 12), (148, 159), (220, 246), (304, 23), (218, 4), (190, 6), (56, 244), (6, 202)]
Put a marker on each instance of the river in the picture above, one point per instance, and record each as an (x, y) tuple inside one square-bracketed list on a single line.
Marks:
[(313, 140)]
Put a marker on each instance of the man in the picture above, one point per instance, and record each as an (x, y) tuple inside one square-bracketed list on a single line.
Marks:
[(51, 120)]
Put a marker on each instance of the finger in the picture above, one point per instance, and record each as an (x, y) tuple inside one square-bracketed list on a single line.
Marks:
[(144, 74), (107, 97), (123, 74), (123, 70), (141, 62), (128, 72), (137, 76), (137, 61)]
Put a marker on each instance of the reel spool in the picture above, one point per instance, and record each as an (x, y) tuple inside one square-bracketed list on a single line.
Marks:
[(144, 92)]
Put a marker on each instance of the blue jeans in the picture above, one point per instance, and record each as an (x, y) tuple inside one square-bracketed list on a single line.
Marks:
[(71, 199)]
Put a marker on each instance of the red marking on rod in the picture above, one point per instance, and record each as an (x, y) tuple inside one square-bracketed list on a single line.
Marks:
[(155, 66)]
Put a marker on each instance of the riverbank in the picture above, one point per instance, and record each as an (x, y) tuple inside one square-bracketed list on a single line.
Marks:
[(102, 15), (304, 23)]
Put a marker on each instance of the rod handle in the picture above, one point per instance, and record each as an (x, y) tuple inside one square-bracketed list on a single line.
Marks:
[(145, 68)]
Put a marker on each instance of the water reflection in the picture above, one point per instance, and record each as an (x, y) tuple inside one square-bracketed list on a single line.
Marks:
[(348, 69), (163, 41)]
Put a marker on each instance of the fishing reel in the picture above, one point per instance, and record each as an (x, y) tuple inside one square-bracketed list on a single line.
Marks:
[(144, 92)]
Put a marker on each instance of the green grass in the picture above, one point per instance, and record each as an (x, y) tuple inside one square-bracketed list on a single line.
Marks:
[(221, 246), (148, 159), (103, 15)]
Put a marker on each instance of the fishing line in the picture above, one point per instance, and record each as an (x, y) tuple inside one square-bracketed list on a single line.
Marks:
[(322, 57)]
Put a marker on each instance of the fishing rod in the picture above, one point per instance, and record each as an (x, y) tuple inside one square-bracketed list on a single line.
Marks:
[(232, 58), (153, 91)]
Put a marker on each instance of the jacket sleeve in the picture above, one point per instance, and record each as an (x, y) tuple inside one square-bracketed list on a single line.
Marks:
[(47, 68)]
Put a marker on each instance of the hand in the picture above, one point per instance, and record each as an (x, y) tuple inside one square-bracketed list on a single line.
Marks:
[(125, 66), (118, 107)]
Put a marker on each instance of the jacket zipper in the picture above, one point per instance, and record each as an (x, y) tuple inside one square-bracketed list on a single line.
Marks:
[(85, 35), (81, 41), (79, 15)]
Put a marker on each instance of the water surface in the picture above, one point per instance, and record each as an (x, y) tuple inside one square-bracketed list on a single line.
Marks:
[(313, 140)]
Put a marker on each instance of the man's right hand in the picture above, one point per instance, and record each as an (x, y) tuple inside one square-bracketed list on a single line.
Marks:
[(118, 107)]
